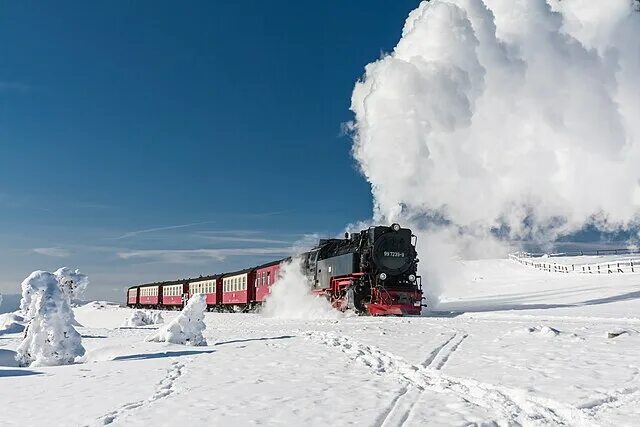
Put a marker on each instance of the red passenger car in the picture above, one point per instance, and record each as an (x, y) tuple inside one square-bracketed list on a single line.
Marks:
[(238, 289), (211, 286), (132, 296), (265, 276), (175, 294), (149, 295)]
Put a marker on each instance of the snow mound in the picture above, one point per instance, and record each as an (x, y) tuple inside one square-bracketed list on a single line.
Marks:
[(544, 330), (187, 327), (143, 318), (11, 323), (290, 297), (101, 305), (50, 339)]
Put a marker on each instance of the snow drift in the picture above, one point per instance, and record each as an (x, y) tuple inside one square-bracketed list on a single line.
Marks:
[(11, 323), (50, 337), (290, 297), (143, 318), (187, 327)]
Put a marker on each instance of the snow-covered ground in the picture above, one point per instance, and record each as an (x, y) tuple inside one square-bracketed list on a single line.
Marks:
[(510, 345)]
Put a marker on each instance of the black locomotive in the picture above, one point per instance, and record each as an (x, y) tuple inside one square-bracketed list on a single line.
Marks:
[(373, 271)]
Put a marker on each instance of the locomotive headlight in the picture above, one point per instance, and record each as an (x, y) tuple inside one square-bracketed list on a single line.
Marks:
[(412, 277), (395, 227), (383, 276)]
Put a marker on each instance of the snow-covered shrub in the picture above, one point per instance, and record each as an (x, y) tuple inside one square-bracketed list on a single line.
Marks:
[(29, 287), (50, 337), (187, 327), (143, 318), (72, 282)]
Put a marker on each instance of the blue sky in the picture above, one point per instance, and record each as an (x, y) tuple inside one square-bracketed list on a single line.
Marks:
[(150, 139)]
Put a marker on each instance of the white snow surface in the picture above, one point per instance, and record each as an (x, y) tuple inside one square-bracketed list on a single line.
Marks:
[(515, 346), (187, 327)]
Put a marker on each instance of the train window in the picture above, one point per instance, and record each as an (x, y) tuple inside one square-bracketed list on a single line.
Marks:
[(268, 278)]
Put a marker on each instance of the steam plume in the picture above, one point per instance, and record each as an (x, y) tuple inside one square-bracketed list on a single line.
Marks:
[(511, 118), (519, 115)]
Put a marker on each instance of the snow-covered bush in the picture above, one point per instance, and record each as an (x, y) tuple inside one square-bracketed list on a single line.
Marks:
[(143, 318), (187, 327), (72, 282), (50, 337)]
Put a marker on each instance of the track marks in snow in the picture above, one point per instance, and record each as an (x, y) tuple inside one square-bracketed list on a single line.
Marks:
[(400, 408), (511, 406), (402, 405), (441, 354), (612, 400), (163, 389)]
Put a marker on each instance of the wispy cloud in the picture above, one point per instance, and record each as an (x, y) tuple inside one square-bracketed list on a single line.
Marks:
[(15, 86), (191, 255), (52, 252), (153, 230), (239, 237)]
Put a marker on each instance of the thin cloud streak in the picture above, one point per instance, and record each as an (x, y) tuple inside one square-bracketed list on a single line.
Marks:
[(152, 230), (190, 255), (240, 239), (52, 252)]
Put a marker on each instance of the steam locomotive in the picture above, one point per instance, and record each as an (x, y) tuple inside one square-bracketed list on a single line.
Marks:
[(371, 272)]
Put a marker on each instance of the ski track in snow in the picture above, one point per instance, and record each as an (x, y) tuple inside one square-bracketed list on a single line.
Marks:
[(164, 388), (441, 354), (402, 405), (512, 406)]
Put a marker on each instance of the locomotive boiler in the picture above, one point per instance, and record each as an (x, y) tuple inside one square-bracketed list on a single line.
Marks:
[(373, 271)]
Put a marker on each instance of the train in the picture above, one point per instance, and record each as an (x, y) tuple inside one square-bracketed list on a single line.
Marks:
[(374, 272)]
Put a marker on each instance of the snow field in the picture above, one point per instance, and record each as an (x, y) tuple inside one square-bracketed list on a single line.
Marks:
[(513, 364)]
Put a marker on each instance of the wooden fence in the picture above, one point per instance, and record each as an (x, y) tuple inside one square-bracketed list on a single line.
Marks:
[(629, 265)]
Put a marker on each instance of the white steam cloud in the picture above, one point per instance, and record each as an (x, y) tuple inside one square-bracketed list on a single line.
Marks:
[(518, 115), (517, 118)]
